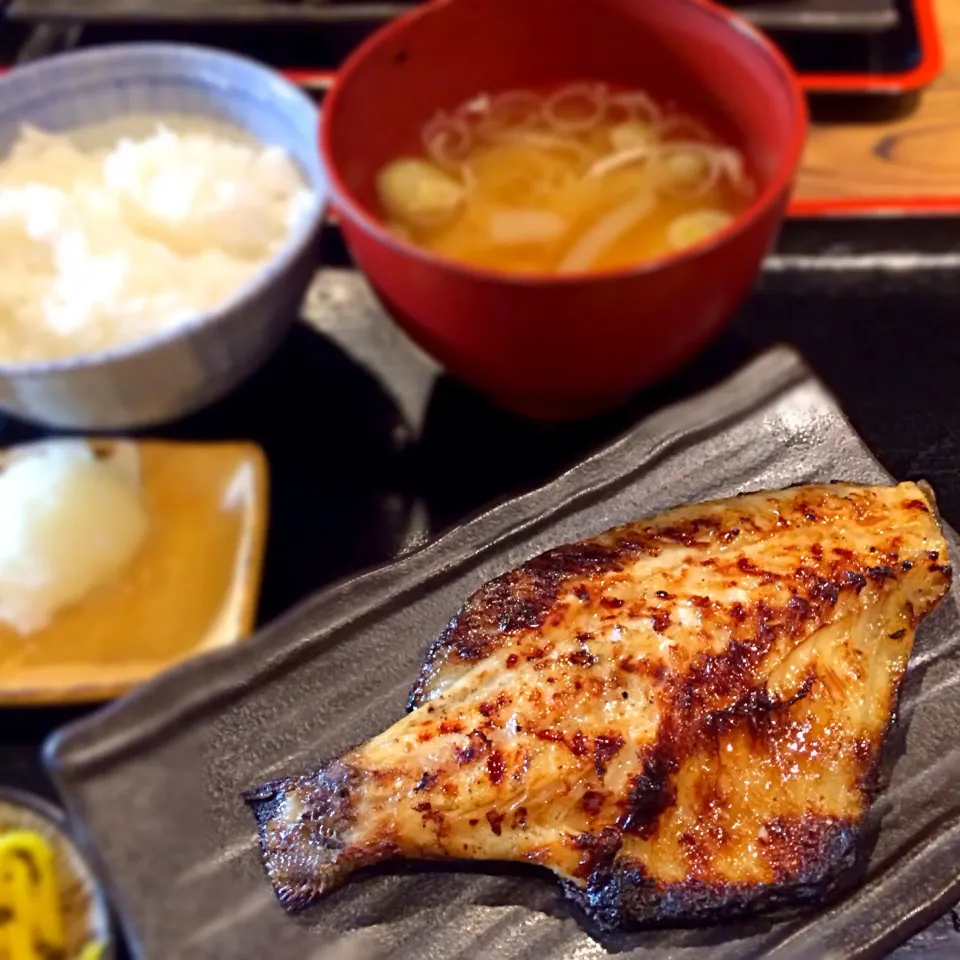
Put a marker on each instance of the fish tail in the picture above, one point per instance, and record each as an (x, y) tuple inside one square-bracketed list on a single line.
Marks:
[(306, 827)]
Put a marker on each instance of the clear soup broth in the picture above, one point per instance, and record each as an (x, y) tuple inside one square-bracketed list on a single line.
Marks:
[(574, 179)]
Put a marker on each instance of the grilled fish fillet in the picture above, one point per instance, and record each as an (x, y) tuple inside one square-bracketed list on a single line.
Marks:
[(682, 718)]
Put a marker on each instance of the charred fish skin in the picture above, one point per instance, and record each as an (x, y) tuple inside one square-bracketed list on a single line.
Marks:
[(682, 717), (308, 819)]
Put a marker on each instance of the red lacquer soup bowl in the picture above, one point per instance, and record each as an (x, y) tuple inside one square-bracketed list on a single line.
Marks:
[(570, 346)]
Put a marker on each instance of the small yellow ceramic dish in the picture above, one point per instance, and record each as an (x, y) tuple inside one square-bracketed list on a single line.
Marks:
[(192, 586)]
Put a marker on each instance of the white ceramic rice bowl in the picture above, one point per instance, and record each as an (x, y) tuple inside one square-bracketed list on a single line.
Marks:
[(178, 371)]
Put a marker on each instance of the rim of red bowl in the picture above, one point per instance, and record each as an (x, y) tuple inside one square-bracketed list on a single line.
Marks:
[(344, 199)]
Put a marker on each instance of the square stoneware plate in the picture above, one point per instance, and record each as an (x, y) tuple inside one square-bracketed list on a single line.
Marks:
[(153, 783), (202, 556)]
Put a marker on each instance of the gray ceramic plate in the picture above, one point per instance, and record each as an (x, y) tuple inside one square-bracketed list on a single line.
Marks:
[(153, 783)]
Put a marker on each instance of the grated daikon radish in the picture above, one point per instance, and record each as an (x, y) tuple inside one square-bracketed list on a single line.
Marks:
[(70, 522)]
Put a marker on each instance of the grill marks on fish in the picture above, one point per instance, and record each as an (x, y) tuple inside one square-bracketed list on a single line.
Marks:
[(680, 717)]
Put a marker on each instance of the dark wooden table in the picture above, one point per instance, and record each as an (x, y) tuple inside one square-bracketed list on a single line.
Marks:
[(372, 451)]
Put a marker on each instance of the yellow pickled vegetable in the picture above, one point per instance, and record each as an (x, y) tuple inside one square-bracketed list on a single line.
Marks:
[(29, 897), (92, 951), (15, 875)]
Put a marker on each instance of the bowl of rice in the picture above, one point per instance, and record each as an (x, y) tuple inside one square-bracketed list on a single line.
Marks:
[(160, 207)]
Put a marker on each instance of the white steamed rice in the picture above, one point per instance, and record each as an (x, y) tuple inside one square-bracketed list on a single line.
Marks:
[(103, 247)]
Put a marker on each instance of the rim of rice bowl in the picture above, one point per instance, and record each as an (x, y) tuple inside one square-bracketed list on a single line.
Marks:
[(317, 182)]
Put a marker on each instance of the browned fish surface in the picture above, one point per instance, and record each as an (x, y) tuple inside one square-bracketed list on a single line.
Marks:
[(682, 717)]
